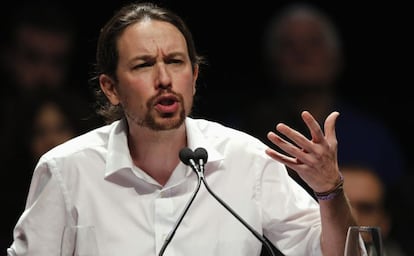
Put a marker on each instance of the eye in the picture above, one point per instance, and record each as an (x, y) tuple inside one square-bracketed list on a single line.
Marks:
[(174, 61), (143, 65)]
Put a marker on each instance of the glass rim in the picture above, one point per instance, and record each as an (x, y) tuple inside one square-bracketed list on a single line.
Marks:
[(365, 228)]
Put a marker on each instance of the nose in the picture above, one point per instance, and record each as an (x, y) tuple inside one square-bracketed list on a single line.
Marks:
[(163, 79)]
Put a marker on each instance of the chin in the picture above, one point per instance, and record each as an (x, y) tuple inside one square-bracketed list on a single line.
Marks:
[(164, 124)]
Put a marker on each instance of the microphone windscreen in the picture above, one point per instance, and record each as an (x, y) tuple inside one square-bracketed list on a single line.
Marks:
[(185, 155), (201, 153)]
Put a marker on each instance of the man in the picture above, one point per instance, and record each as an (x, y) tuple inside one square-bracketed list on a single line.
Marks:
[(126, 178), (367, 194)]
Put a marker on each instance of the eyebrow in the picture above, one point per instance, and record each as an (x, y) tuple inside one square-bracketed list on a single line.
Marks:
[(149, 56)]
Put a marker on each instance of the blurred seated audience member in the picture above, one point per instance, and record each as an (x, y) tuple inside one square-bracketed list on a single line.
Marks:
[(39, 50), (402, 204), (367, 195), (40, 47), (50, 117), (303, 55), (46, 119)]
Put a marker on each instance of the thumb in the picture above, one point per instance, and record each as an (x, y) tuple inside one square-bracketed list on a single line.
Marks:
[(329, 127)]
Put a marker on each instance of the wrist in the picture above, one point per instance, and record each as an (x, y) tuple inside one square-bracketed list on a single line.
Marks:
[(331, 194)]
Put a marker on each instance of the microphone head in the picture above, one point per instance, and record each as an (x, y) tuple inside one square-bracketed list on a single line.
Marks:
[(201, 153), (185, 155)]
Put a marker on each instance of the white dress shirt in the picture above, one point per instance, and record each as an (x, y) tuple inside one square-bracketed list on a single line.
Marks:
[(91, 180)]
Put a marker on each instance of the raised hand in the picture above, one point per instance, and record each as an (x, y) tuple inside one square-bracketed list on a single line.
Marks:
[(315, 159)]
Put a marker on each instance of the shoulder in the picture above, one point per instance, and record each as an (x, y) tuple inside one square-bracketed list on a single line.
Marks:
[(217, 129), (94, 140), (222, 136)]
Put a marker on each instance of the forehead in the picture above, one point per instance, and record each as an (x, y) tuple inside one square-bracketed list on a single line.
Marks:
[(44, 40), (361, 184), (304, 26), (149, 35)]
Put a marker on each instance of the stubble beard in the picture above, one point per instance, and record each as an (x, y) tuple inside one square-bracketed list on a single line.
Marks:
[(155, 121), (165, 122)]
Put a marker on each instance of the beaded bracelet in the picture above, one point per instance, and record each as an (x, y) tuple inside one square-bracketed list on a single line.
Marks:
[(328, 195)]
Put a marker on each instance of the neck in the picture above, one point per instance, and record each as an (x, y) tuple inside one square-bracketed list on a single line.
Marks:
[(156, 152)]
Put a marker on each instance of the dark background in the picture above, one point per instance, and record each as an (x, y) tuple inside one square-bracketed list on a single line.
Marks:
[(378, 60), (378, 73)]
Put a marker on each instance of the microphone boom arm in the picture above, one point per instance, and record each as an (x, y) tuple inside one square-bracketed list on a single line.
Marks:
[(201, 155), (261, 238), (187, 206), (187, 156)]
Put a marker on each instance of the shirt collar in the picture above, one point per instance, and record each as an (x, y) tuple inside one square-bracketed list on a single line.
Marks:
[(119, 156), (196, 138)]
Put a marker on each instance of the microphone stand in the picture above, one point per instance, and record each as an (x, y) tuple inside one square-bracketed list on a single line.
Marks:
[(201, 155), (187, 206), (261, 238), (187, 156)]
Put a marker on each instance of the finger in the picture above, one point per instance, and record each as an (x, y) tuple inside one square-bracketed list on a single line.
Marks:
[(296, 137), (313, 126), (299, 155), (330, 127), (284, 159)]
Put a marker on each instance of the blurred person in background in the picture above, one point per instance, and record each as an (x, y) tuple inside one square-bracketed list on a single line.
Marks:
[(39, 50), (368, 197), (40, 46), (304, 62), (48, 118), (402, 204)]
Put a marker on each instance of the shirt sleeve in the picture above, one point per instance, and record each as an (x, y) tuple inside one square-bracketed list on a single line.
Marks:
[(39, 229), (291, 217)]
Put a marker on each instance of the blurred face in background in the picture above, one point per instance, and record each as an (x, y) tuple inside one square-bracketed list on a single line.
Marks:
[(40, 57), (306, 52), (50, 128), (365, 192)]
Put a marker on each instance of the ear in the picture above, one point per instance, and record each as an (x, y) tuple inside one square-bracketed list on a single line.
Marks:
[(195, 76), (109, 89)]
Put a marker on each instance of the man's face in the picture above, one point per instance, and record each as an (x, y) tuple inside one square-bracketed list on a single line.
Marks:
[(156, 81), (365, 193)]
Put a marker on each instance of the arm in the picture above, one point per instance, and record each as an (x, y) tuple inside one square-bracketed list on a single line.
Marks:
[(315, 161), (38, 230)]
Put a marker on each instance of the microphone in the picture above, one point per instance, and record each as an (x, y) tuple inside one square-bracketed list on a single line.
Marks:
[(201, 156), (187, 157)]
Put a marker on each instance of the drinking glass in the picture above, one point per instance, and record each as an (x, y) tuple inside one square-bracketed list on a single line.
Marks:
[(79, 240), (363, 240)]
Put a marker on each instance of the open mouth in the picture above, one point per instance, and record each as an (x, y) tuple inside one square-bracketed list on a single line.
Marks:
[(167, 103)]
